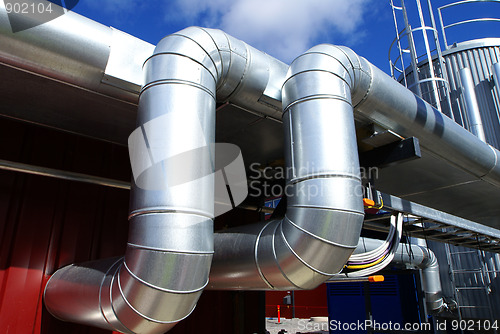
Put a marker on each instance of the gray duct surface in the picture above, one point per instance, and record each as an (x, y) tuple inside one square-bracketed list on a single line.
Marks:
[(170, 246), (185, 76), (415, 257), (324, 209)]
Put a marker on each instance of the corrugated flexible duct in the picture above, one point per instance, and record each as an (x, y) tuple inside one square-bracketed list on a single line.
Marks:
[(170, 246)]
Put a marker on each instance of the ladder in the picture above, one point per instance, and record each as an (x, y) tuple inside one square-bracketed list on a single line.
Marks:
[(428, 81), (470, 280)]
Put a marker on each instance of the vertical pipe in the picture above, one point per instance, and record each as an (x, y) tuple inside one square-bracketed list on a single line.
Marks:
[(413, 51), (324, 194), (418, 257), (170, 245), (469, 95), (495, 69)]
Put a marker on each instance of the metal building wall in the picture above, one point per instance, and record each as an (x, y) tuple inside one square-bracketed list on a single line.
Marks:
[(463, 274), (47, 223), (475, 288), (479, 58)]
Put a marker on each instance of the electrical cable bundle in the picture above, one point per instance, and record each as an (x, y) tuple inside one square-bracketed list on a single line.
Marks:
[(370, 262)]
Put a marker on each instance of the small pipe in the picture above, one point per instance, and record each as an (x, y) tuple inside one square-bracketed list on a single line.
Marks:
[(19, 167), (470, 99), (417, 257), (62, 174), (495, 68)]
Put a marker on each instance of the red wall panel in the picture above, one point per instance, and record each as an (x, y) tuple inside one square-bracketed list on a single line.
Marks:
[(47, 223), (308, 303)]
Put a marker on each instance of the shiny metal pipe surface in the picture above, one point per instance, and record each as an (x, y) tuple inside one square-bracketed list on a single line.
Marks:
[(62, 174), (170, 245), (415, 257), (388, 103), (324, 195), (495, 69), (75, 50), (474, 115)]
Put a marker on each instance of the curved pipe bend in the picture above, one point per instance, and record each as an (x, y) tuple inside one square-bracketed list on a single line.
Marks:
[(412, 256), (188, 72), (424, 258), (324, 195), (170, 245)]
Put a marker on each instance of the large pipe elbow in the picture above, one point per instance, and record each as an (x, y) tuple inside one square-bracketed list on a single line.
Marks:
[(324, 195), (412, 256), (325, 213), (170, 246), (431, 282)]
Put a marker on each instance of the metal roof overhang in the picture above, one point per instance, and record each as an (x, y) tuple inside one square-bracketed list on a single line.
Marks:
[(430, 180)]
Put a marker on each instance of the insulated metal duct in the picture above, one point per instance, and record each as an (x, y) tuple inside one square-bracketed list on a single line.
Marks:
[(382, 100), (170, 246), (171, 241), (73, 49), (324, 195), (389, 104), (324, 83), (415, 257)]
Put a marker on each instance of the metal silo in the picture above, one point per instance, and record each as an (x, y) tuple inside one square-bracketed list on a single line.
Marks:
[(464, 84)]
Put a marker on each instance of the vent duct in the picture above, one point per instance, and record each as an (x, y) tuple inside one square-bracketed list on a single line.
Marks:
[(170, 246)]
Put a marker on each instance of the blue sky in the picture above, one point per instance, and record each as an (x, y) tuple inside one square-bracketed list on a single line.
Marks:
[(283, 28)]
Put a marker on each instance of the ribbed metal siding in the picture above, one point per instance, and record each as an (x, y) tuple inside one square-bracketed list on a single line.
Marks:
[(47, 223), (479, 61), (478, 56)]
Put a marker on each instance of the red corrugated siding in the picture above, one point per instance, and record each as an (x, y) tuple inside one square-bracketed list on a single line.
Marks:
[(308, 303), (47, 223)]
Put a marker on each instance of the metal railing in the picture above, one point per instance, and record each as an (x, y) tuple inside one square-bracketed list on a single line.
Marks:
[(432, 85), (462, 22)]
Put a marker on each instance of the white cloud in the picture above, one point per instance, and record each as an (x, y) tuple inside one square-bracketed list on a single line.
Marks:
[(283, 28)]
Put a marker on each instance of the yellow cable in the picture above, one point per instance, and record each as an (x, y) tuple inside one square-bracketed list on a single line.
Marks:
[(363, 266), (380, 207)]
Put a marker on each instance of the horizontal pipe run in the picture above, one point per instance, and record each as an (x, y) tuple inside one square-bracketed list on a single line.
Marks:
[(389, 104), (19, 167), (62, 174), (75, 50)]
